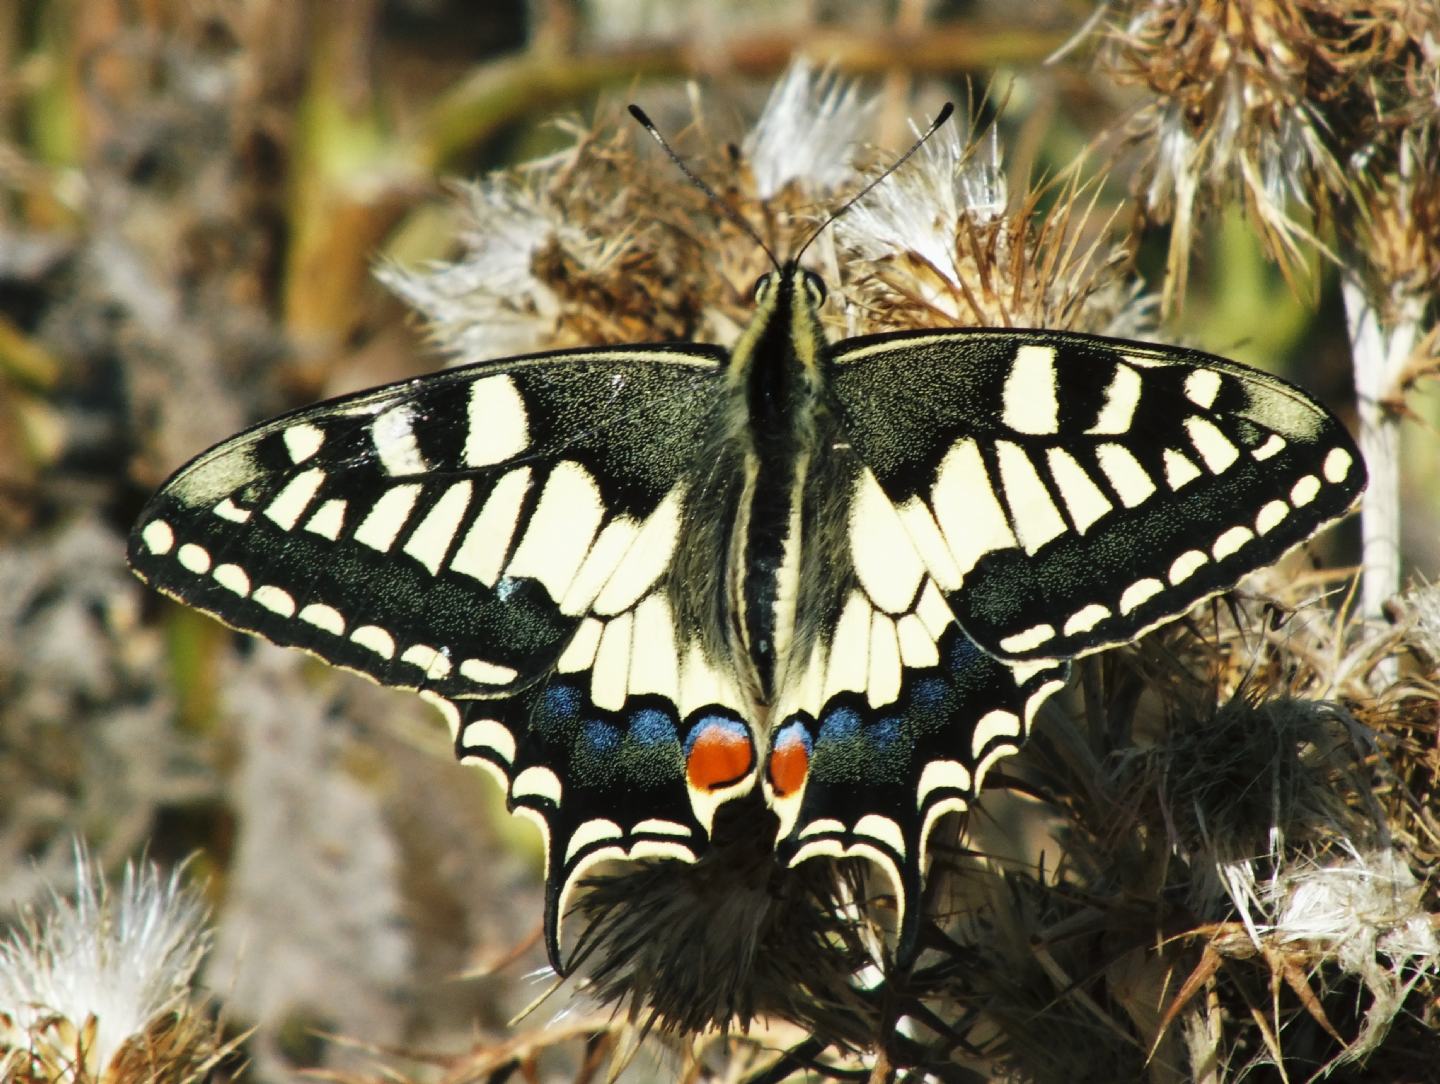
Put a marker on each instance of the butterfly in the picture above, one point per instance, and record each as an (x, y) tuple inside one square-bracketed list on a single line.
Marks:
[(796, 592)]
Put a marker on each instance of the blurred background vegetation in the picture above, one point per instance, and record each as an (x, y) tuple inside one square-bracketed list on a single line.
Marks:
[(193, 196)]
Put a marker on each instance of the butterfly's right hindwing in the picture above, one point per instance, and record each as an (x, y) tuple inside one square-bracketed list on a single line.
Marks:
[(445, 534)]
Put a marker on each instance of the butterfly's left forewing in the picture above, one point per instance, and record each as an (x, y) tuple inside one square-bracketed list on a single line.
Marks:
[(446, 534)]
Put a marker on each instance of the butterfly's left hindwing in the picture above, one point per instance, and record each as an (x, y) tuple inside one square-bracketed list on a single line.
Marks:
[(1069, 492)]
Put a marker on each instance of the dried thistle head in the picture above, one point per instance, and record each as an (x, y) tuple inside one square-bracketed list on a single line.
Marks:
[(1395, 227), (1273, 102), (98, 989), (942, 243)]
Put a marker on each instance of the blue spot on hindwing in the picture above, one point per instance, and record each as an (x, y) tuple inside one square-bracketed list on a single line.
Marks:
[(651, 726), (601, 738)]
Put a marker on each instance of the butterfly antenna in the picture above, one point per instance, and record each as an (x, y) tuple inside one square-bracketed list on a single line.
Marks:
[(725, 208), (940, 118)]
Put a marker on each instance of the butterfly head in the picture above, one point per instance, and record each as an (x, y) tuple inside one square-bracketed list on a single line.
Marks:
[(802, 283)]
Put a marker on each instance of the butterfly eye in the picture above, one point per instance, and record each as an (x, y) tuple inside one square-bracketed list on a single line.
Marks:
[(762, 287), (815, 287)]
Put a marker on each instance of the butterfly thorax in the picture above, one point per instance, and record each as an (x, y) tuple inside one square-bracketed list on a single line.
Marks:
[(778, 414)]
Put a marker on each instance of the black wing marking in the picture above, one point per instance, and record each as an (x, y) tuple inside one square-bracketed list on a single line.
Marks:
[(446, 533), (1070, 492)]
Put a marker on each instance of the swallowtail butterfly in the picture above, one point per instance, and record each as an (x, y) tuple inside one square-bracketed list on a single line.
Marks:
[(831, 580)]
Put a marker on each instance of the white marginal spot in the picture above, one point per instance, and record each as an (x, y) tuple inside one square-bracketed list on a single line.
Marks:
[(934, 611), (483, 672), (1029, 402), (1178, 469), (848, 665), (1337, 465), (302, 440), (1301, 493), (966, 508), (590, 833), (497, 428), (1085, 619), (1003, 726), (323, 617), (229, 510), (393, 434), (1122, 395), (924, 534), (579, 653), (488, 734), (882, 685), (1202, 386), (1214, 446), (883, 830), (290, 503), (941, 775), (1138, 592), (560, 531), (821, 826), (1187, 564), (431, 540), (657, 848), (1131, 481), (610, 676), (828, 847), (1083, 498), (654, 656), (328, 520), (647, 558), (376, 639), (488, 540), (537, 782), (387, 517), (275, 599), (1230, 541), (917, 646), (1274, 445), (605, 554), (195, 558), (656, 826), (886, 562), (158, 536), (434, 662), (232, 577), (1271, 517), (1028, 640), (1036, 518)]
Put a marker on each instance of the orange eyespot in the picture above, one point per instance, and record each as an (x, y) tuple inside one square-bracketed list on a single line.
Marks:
[(790, 760), (718, 753)]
